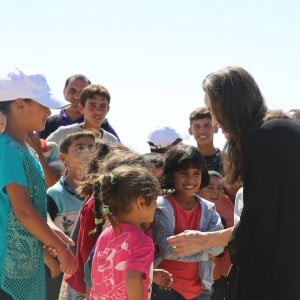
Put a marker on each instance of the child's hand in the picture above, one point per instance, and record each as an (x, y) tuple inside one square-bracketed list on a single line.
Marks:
[(50, 250), (68, 263), (162, 278)]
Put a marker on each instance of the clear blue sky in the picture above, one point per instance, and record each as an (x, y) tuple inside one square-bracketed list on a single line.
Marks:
[(153, 55)]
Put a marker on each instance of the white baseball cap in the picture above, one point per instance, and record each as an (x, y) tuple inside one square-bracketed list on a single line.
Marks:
[(163, 137), (18, 84)]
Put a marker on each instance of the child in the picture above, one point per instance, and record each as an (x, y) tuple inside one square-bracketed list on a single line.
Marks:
[(184, 173), (214, 192), (25, 99), (203, 130), (109, 156), (94, 105), (76, 150), (155, 163), (122, 263)]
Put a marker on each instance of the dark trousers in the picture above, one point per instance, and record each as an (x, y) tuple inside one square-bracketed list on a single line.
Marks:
[(164, 294), (219, 288)]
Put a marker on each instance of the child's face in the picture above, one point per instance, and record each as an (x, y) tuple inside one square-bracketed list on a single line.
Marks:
[(79, 156), (187, 182), (32, 114), (94, 111), (148, 212), (214, 191), (73, 90), (203, 131)]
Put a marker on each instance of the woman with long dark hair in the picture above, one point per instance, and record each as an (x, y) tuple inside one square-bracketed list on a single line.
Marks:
[(264, 155)]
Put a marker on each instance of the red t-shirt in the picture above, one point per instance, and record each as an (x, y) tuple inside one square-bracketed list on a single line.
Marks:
[(186, 280), (225, 209), (85, 243)]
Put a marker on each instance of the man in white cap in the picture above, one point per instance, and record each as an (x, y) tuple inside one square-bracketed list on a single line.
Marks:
[(162, 138)]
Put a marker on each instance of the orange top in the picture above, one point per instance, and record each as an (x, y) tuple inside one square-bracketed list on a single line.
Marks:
[(186, 280)]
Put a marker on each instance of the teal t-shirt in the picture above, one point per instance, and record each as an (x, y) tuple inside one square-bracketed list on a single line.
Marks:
[(21, 254)]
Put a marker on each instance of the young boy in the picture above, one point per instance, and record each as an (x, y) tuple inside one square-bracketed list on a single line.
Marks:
[(203, 130), (94, 104), (76, 150)]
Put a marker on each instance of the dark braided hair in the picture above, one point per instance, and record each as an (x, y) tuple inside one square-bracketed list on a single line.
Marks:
[(119, 188), (97, 208)]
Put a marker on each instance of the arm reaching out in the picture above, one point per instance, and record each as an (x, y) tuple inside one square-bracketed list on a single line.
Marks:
[(193, 241)]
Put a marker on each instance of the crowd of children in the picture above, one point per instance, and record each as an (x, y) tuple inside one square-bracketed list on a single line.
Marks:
[(84, 217)]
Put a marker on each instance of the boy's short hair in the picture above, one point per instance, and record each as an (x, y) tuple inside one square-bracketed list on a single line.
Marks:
[(93, 90), (68, 140), (200, 113)]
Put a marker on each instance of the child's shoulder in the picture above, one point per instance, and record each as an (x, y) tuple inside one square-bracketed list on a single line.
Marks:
[(57, 187), (9, 146), (163, 201), (67, 128), (205, 203)]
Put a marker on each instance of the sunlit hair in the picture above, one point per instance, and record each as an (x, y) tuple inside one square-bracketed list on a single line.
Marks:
[(93, 90), (153, 160), (105, 152), (200, 113), (180, 158), (113, 156), (238, 105), (276, 113), (119, 188)]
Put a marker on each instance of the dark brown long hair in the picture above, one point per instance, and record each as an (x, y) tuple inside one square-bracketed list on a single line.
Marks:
[(238, 105)]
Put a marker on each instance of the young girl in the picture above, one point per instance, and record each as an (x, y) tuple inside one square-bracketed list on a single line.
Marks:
[(25, 100), (122, 263), (184, 173)]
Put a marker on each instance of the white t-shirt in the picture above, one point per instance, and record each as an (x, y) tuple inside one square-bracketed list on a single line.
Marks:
[(238, 205)]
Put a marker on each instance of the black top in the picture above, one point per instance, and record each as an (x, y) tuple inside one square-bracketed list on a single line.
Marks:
[(214, 162), (267, 243)]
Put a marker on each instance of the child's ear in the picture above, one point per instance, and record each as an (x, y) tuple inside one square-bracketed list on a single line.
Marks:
[(80, 107), (140, 201), (19, 103), (62, 157), (190, 131)]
